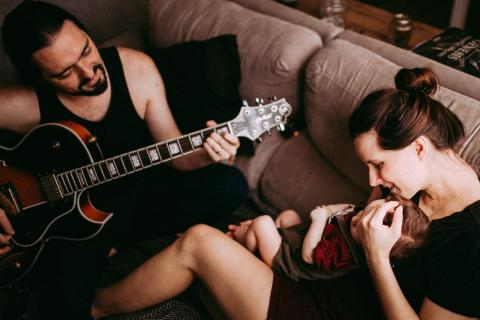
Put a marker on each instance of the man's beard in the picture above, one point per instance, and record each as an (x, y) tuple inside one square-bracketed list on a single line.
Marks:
[(100, 86)]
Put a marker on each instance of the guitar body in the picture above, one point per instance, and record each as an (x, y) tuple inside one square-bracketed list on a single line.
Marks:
[(44, 178), (45, 150)]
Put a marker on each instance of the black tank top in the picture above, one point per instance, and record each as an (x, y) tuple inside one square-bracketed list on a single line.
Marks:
[(121, 129)]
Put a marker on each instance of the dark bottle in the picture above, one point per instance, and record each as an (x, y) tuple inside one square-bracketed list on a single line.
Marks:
[(400, 30)]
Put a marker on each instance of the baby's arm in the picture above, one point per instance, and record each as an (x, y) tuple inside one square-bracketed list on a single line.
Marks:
[(319, 218)]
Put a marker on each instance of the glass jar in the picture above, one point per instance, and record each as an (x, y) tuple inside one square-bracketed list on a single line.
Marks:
[(400, 30), (333, 11)]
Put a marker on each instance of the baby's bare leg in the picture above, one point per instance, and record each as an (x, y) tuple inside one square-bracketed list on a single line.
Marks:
[(287, 219)]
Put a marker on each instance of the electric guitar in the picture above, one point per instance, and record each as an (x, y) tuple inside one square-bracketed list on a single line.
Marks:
[(44, 179)]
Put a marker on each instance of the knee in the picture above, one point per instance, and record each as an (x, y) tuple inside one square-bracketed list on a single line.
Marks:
[(196, 236)]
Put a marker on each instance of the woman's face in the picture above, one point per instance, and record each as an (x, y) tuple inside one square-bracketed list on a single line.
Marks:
[(397, 170)]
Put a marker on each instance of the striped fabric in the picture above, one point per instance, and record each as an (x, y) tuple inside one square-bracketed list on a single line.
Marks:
[(173, 309)]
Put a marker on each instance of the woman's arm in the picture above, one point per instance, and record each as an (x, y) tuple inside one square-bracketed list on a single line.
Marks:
[(377, 240), (319, 218)]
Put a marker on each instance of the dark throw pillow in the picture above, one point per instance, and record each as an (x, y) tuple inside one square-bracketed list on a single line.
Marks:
[(201, 80)]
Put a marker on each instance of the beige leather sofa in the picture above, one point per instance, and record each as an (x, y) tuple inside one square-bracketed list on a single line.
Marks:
[(323, 71)]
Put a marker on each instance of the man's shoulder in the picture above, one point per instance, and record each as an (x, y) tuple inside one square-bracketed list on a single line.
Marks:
[(19, 109), (134, 59)]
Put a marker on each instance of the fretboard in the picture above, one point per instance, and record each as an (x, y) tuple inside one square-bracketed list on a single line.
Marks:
[(119, 166)]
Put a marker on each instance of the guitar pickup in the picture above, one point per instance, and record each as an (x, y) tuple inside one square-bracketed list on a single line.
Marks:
[(9, 200), (51, 188)]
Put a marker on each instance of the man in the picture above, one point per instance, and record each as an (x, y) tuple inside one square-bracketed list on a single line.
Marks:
[(118, 95)]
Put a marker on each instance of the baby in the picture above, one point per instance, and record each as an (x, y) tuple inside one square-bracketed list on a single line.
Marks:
[(323, 249)]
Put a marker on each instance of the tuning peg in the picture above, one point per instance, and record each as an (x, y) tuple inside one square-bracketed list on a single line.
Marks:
[(245, 103), (269, 132), (274, 98), (258, 140), (281, 127), (259, 100)]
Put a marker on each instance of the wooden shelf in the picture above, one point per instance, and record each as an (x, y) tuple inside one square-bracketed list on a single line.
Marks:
[(371, 21)]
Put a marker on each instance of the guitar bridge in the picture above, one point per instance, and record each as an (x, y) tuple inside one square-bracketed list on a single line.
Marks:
[(51, 188), (9, 200)]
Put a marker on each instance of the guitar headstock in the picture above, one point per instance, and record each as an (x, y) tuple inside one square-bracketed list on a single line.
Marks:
[(253, 121)]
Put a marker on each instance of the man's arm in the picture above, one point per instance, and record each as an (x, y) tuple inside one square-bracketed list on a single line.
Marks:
[(148, 94), (19, 111)]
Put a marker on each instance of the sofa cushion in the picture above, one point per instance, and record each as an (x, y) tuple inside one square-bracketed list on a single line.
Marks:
[(300, 178), (338, 77), (273, 53), (201, 80)]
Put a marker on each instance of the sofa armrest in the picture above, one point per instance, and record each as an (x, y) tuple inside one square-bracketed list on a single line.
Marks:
[(327, 31), (451, 78)]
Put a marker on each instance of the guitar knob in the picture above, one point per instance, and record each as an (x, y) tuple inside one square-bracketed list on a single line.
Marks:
[(91, 139), (17, 265), (259, 100)]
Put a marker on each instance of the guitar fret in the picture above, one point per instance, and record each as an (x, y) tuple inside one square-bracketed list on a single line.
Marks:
[(153, 154), (92, 174), (164, 153), (145, 159), (105, 171), (128, 163), (135, 160), (185, 144), (63, 185), (99, 173), (81, 178), (75, 180), (197, 140), (87, 176), (69, 183), (174, 148), (120, 166), (207, 132), (222, 129), (112, 168)]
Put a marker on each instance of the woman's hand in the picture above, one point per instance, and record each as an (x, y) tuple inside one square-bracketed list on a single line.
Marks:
[(368, 228), (221, 147)]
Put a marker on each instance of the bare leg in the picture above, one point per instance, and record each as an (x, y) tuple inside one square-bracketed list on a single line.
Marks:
[(287, 218), (239, 281)]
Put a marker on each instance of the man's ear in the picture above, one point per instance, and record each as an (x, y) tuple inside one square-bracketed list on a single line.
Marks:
[(421, 146)]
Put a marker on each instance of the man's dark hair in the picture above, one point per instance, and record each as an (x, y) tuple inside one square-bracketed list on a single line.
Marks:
[(28, 28)]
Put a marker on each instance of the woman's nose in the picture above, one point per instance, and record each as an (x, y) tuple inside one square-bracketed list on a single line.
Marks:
[(373, 178)]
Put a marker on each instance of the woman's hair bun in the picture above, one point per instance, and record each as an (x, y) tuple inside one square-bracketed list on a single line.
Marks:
[(421, 80)]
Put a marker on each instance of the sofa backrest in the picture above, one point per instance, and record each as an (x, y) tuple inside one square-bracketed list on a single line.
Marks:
[(338, 77), (119, 22), (273, 53)]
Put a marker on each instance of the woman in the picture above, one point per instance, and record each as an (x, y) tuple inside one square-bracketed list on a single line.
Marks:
[(407, 140)]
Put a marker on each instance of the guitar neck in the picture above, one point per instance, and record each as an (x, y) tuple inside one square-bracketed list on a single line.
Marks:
[(113, 168)]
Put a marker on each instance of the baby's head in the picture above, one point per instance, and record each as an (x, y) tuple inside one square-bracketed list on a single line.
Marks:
[(415, 227)]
